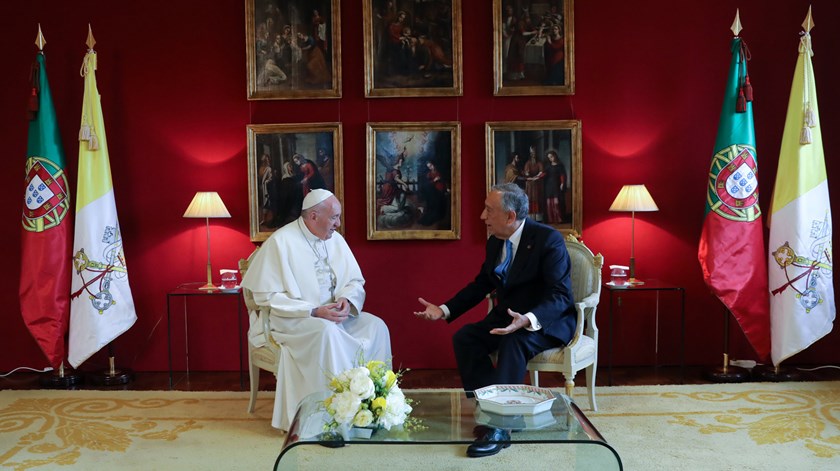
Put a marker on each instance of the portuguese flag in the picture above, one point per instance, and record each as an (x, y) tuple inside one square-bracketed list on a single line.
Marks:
[(45, 242), (731, 252)]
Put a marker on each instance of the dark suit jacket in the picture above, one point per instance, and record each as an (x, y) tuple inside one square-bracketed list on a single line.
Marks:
[(538, 281)]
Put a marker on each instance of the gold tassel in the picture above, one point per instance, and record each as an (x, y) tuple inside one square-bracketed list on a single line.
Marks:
[(93, 143), (805, 135), (84, 133), (810, 119)]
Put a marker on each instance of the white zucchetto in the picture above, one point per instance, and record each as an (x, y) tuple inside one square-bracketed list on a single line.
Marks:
[(314, 197)]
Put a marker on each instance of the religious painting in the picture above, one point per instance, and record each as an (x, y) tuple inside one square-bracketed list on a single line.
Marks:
[(414, 180), (544, 159), (285, 162), (533, 47), (412, 48), (293, 49)]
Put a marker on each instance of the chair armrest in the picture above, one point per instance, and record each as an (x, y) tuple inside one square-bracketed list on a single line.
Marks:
[(592, 299), (579, 309), (269, 340)]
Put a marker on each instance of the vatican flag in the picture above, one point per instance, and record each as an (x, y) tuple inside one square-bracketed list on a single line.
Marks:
[(101, 306), (800, 260)]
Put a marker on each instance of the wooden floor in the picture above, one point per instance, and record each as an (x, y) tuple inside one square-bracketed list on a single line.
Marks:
[(412, 379)]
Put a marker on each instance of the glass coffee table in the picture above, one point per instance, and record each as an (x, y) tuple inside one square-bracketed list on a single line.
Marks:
[(559, 439)]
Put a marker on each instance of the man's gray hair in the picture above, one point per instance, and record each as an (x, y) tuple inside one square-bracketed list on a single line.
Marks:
[(513, 199)]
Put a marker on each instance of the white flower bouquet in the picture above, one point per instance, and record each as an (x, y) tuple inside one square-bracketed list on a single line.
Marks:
[(367, 396)]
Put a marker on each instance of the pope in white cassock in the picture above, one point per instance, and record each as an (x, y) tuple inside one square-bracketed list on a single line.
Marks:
[(307, 275)]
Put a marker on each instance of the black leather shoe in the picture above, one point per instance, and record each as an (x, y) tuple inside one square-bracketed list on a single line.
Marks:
[(494, 441)]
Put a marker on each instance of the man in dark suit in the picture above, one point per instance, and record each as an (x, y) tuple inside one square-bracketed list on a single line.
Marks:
[(527, 266)]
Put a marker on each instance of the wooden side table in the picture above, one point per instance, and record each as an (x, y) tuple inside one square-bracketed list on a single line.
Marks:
[(191, 290), (648, 286)]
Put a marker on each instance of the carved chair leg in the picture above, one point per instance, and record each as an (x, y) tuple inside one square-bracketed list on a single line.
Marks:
[(570, 385), (254, 374), (535, 378)]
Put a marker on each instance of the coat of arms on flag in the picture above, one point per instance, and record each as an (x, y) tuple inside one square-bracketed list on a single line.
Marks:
[(733, 185), (45, 196)]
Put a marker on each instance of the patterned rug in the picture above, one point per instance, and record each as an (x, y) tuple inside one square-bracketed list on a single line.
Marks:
[(750, 426), (747, 426)]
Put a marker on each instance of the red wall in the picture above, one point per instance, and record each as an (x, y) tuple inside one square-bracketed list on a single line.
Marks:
[(649, 74)]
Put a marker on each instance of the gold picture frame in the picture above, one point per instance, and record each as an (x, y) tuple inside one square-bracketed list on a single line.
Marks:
[(533, 47), (285, 161), (412, 48), (414, 180), (293, 49), (520, 151)]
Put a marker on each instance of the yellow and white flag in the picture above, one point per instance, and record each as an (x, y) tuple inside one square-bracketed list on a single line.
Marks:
[(101, 306), (800, 260)]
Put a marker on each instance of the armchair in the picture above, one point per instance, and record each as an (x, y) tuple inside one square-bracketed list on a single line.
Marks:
[(582, 350), (266, 357)]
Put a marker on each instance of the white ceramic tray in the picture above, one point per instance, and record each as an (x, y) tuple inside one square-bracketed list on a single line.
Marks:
[(515, 422), (514, 399)]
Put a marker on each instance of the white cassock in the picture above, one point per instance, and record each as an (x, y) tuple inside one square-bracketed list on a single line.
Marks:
[(293, 273)]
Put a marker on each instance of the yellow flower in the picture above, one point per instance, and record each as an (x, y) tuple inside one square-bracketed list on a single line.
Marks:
[(390, 379), (378, 405), (328, 401), (374, 364), (336, 385)]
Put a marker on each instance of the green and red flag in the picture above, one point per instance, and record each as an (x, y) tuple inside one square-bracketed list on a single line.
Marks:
[(802, 307), (731, 251), (45, 242)]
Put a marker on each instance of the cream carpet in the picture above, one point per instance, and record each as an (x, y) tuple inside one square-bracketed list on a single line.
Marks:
[(750, 426)]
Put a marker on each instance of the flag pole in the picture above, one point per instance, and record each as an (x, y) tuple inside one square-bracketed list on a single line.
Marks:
[(52, 342), (727, 373), (62, 378), (802, 304), (112, 376)]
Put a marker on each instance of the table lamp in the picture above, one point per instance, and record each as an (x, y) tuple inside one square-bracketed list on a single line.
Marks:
[(633, 198), (207, 204)]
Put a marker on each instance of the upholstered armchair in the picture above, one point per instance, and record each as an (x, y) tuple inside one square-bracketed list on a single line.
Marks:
[(582, 350), (266, 357)]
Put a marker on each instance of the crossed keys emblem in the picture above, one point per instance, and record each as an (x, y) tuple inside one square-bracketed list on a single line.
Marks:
[(802, 274), (98, 286)]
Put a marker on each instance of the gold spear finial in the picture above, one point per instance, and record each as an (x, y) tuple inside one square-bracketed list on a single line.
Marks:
[(39, 40), (90, 41), (809, 22), (736, 25)]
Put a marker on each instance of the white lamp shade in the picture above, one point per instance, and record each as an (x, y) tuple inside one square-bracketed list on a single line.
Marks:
[(633, 198), (206, 204)]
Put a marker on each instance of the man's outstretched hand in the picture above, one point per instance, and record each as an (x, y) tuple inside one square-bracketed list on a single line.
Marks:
[(432, 311)]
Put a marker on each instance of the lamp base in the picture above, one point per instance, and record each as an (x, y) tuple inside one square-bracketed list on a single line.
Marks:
[(209, 286), (635, 281)]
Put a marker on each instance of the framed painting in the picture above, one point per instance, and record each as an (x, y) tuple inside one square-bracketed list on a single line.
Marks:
[(414, 180), (412, 48), (285, 162), (533, 47), (293, 49), (544, 158)]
